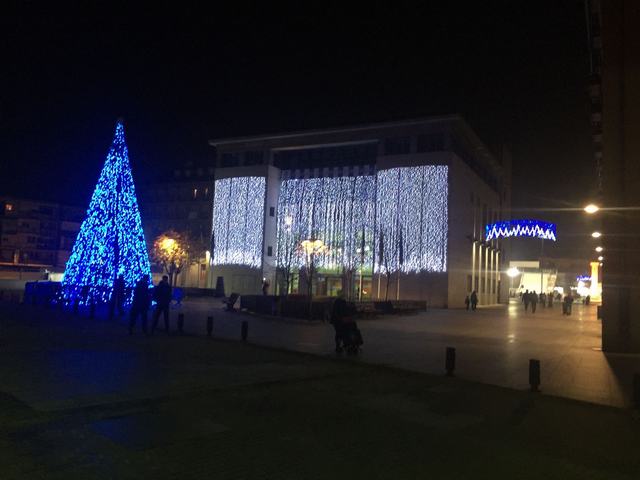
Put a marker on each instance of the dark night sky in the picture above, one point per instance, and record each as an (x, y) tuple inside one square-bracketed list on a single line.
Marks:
[(180, 75)]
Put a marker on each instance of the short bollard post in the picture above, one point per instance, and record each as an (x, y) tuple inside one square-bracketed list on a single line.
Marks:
[(636, 391), (181, 323), (450, 361), (244, 332), (209, 326), (534, 375)]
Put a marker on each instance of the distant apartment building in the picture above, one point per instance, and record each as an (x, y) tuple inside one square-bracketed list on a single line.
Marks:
[(182, 202), (36, 236)]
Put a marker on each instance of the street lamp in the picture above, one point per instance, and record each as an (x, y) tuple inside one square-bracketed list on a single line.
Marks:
[(311, 248), (596, 234), (513, 272), (599, 249), (591, 208), (600, 258)]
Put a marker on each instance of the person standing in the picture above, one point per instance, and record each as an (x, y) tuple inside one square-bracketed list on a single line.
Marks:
[(467, 302), (162, 297), (533, 298), (474, 300), (550, 300), (543, 299), (140, 305)]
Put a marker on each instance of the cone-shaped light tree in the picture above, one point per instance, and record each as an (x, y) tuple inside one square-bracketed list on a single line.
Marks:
[(110, 243)]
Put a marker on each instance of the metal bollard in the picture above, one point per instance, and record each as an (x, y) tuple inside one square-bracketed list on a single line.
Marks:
[(534, 375), (244, 332), (209, 326), (450, 361), (636, 391), (181, 323)]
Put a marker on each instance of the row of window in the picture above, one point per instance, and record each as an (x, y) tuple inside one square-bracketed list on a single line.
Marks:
[(360, 154)]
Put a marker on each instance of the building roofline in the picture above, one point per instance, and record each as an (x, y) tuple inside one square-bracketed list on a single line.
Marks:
[(333, 130)]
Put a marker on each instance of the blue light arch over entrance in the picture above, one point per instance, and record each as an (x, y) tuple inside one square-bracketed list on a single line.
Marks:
[(521, 228)]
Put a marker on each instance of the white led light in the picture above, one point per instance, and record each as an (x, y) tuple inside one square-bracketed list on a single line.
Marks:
[(412, 219), (238, 218)]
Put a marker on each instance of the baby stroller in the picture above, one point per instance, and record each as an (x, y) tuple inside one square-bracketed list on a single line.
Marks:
[(351, 336), (348, 337)]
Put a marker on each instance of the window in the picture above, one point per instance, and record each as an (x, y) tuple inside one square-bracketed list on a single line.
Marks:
[(431, 142), (269, 251), (327, 157), (272, 211), (229, 160), (397, 146), (254, 157)]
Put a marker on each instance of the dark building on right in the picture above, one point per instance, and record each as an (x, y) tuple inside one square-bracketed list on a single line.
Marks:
[(615, 92)]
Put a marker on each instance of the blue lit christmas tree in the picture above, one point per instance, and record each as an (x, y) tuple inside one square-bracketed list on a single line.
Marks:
[(110, 243)]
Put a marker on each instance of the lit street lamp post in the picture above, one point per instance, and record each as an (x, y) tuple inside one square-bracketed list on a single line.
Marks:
[(311, 248)]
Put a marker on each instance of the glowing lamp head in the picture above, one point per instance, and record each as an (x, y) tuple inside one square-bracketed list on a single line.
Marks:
[(599, 249), (513, 272), (596, 234), (168, 244), (591, 208), (600, 258)]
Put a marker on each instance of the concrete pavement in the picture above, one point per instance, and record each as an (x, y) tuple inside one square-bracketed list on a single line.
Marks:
[(81, 399)]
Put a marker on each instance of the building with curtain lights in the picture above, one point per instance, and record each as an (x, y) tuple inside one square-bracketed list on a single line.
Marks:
[(400, 209)]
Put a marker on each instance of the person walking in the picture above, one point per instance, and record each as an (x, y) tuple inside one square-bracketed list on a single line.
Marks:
[(533, 298), (467, 302), (162, 297), (526, 299), (474, 300), (543, 299), (566, 307), (140, 305), (117, 297), (550, 299)]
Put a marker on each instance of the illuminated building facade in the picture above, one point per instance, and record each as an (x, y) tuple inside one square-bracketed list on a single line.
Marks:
[(399, 208)]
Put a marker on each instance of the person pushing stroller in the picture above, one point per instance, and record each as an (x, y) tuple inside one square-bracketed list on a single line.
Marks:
[(347, 334)]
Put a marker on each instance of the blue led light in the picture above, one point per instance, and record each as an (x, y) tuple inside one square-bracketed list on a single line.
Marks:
[(521, 228), (110, 242)]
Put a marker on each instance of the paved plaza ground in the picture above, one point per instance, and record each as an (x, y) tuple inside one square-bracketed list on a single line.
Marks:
[(493, 345), (80, 398)]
